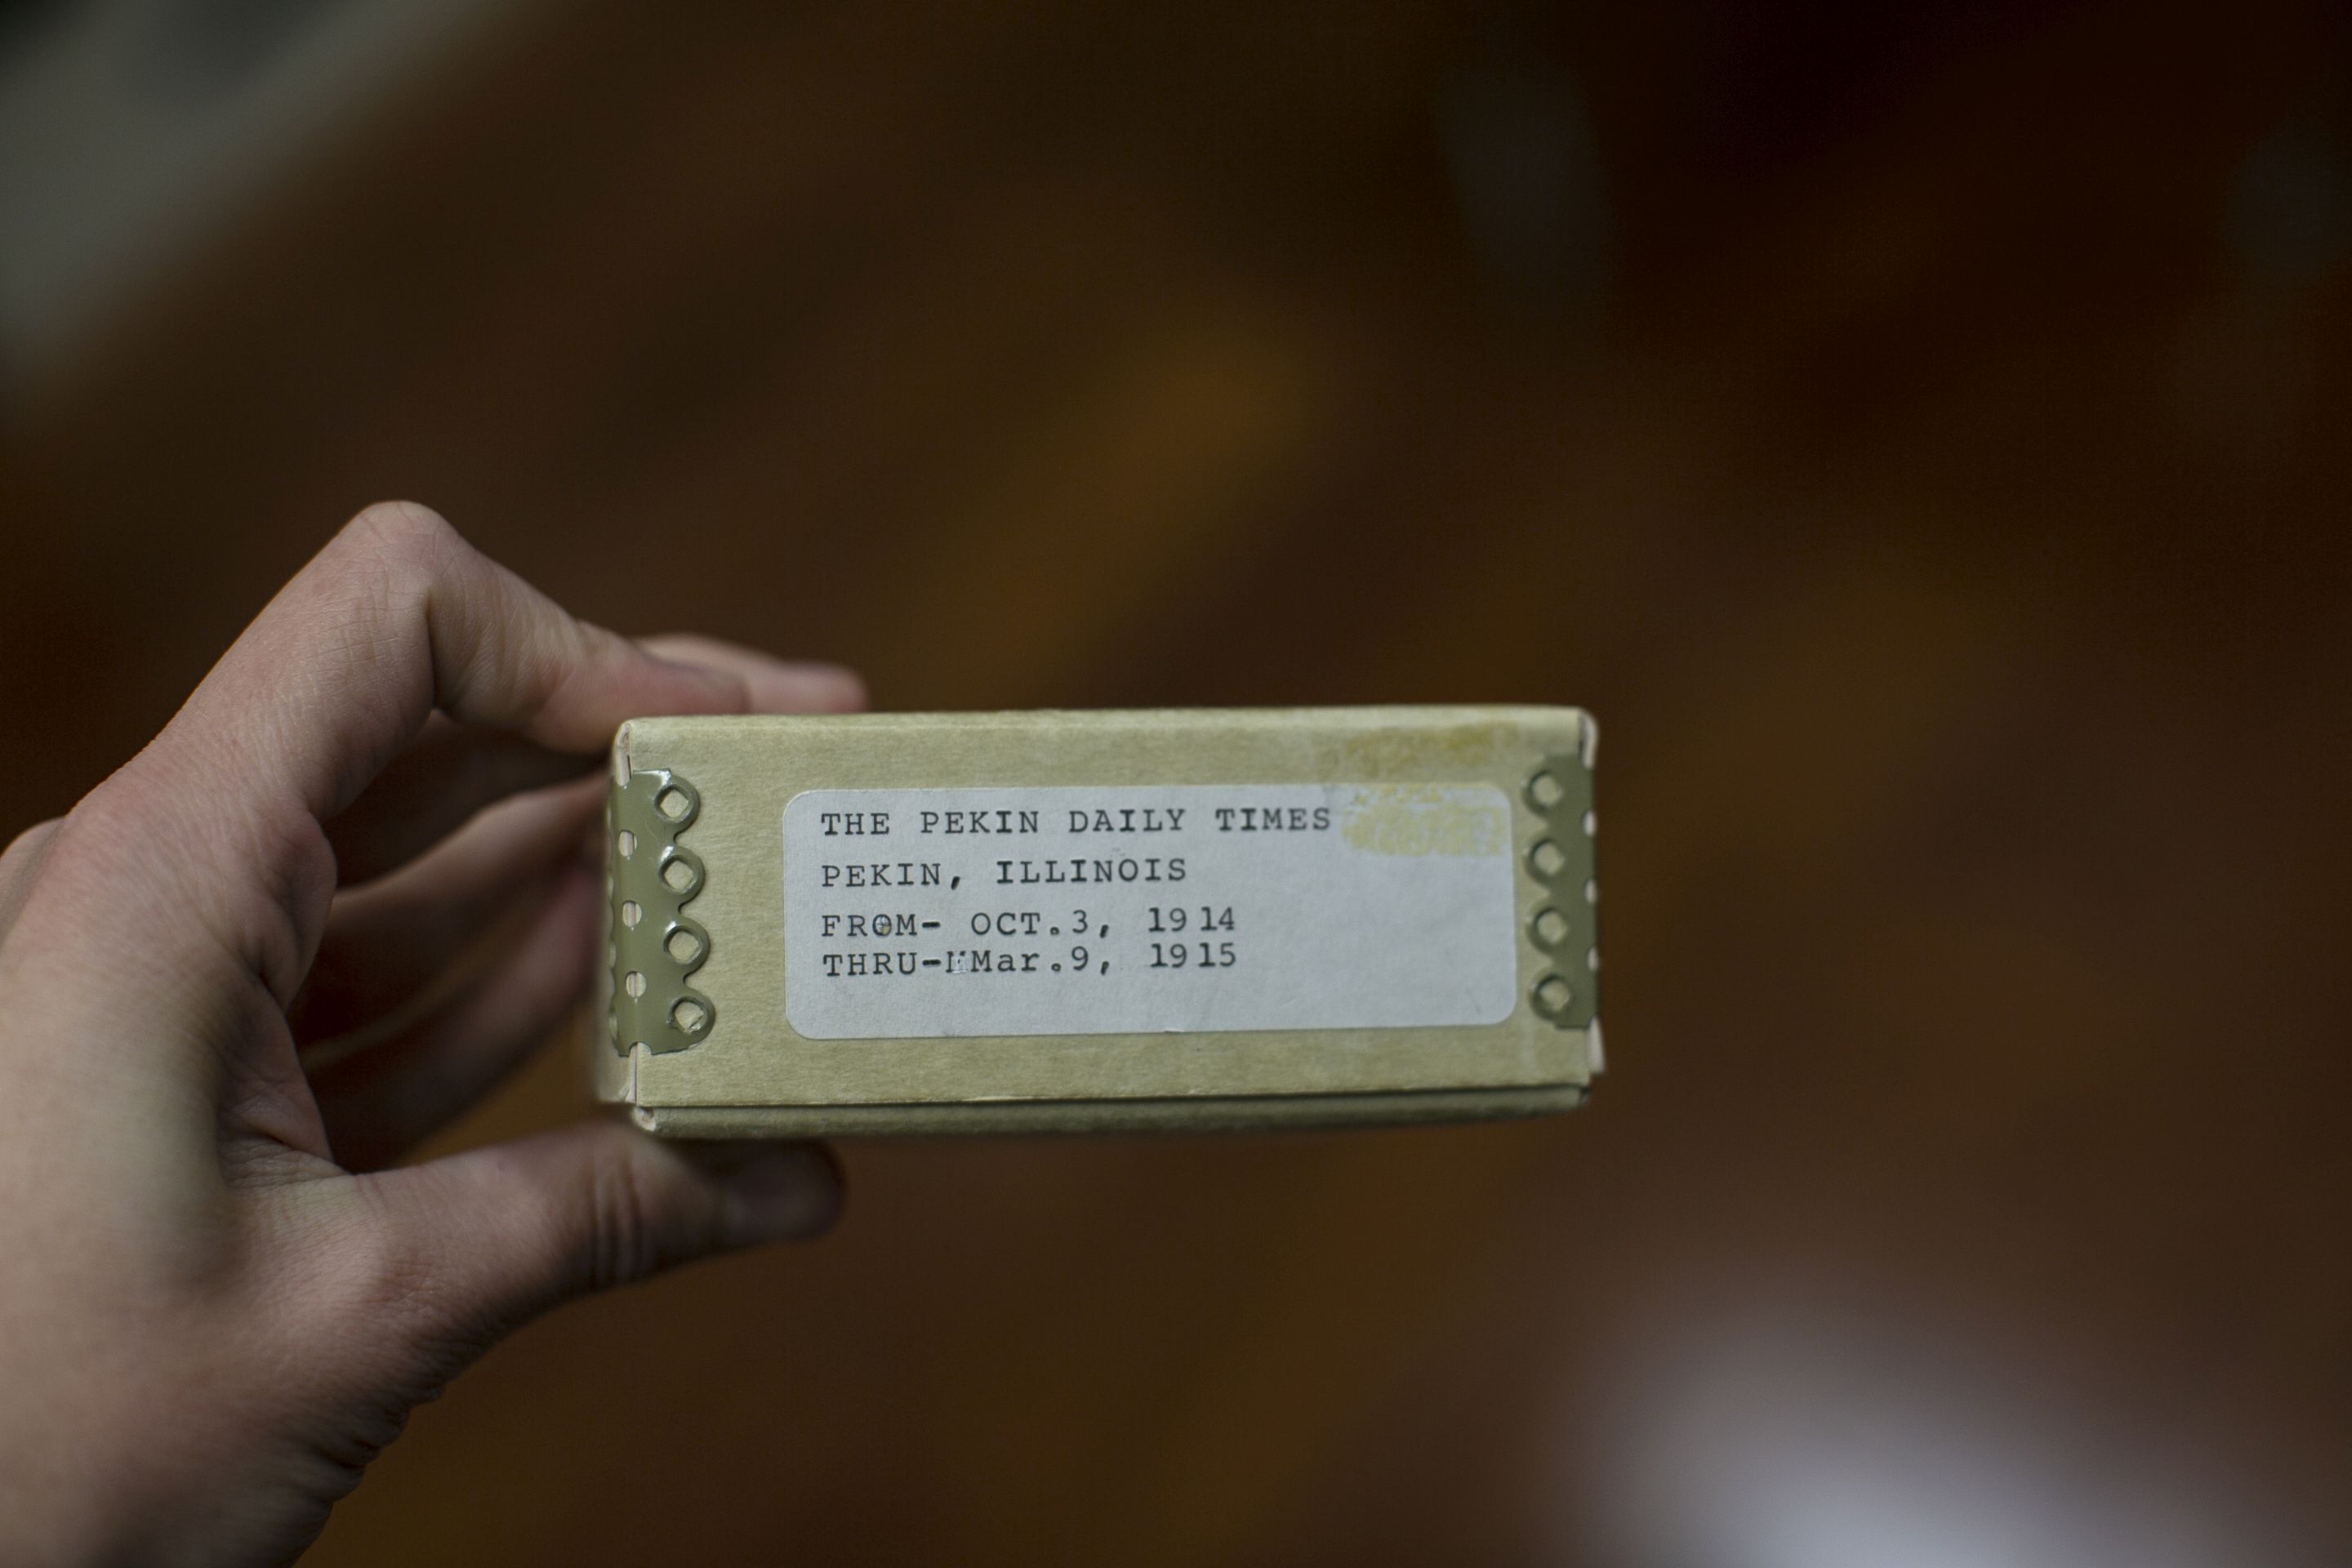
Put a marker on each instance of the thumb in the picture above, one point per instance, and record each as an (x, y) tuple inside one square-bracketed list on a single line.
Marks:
[(515, 1228)]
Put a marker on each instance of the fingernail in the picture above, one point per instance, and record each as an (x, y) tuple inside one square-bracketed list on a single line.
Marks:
[(781, 1194), (724, 690), (806, 687)]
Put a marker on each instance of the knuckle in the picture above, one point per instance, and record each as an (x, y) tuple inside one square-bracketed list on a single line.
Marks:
[(122, 817), (388, 1272), (27, 843), (623, 1207), (404, 535), (534, 668)]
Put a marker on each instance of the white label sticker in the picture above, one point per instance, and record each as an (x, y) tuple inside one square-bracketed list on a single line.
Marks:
[(924, 913)]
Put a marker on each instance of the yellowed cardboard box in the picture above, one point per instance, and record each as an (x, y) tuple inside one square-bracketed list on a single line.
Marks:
[(1081, 920)]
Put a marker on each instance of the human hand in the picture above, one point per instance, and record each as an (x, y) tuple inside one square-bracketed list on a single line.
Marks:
[(236, 992)]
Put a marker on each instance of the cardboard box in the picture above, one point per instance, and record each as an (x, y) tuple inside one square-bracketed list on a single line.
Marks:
[(1081, 920)]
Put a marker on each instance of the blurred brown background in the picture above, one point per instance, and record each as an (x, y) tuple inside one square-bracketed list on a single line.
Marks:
[(1920, 434)]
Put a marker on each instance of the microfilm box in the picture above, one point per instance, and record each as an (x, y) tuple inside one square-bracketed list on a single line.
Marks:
[(1099, 921)]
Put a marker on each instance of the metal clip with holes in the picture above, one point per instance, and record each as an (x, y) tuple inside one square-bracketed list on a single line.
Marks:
[(1564, 923), (653, 947)]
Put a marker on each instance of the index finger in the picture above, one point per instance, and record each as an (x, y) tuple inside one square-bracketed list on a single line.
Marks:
[(399, 616), (396, 617)]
